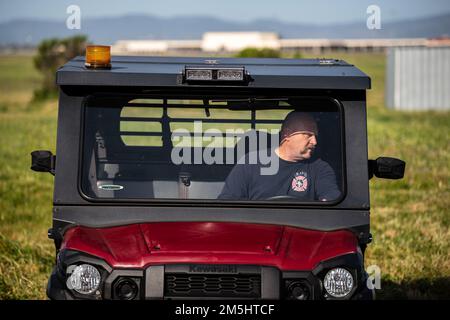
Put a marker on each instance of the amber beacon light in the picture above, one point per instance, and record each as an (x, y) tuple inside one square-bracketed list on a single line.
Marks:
[(98, 57)]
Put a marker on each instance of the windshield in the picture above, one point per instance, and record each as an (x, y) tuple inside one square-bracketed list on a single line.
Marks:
[(240, 149)]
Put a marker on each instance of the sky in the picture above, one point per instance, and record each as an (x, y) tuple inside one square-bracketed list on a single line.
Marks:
[(299, 11)]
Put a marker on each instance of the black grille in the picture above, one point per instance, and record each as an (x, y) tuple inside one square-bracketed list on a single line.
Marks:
[(212, 285)]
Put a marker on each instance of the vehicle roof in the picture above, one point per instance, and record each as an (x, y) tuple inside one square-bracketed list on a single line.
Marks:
[(265, 72)]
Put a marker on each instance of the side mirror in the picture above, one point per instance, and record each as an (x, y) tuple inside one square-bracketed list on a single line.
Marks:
[(43, 161), (387, 168)]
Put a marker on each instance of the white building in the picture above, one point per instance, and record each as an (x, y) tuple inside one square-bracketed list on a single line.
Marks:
[(143, 47), (236, 41), (140, 46)]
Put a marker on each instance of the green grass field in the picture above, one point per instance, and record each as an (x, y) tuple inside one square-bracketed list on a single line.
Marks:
[(410, 217)]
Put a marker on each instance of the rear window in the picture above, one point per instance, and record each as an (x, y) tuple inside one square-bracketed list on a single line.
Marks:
[(215, 149)]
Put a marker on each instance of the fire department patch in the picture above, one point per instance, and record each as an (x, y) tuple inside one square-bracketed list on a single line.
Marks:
[(300, 182)]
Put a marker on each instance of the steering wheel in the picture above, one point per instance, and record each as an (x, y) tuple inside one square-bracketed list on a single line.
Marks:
[(282, 198)]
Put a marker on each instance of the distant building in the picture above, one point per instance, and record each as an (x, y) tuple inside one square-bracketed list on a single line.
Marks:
[(352, 45), (141, 46), (237, 41), (145, 47), (231, 42)]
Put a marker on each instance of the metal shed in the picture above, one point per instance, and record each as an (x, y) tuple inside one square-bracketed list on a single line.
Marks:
[(418, 78)]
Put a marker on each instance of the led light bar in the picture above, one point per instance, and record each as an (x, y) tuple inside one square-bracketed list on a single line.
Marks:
[(199, 74), (230, 74), (193, 73)]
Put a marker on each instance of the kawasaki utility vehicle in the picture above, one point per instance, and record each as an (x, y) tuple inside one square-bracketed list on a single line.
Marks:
[(162, 171)]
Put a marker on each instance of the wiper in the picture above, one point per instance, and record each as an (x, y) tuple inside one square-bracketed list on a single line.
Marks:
[(249, 100), (206, 103)]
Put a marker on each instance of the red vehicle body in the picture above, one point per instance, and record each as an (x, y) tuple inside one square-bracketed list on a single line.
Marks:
[(140, 245)]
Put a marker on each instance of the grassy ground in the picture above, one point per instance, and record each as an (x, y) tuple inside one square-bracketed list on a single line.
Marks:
[(410, 217), (26, 255)]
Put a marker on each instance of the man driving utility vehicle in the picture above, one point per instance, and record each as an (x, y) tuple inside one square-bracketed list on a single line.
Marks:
[(299, 177)]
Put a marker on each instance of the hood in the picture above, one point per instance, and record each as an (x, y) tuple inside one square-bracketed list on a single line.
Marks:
[(141, 245)]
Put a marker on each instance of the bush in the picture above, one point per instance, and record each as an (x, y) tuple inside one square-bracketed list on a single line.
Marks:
[(52, 54), (258, 53), (297, 55)]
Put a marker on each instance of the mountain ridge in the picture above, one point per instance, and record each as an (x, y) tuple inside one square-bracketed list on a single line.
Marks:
[(108, 30)]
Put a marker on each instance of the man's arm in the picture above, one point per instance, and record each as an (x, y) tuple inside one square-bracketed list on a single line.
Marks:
[(236, 184), (326, 185)]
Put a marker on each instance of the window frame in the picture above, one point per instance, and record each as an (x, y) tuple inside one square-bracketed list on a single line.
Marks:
[(212, 202)]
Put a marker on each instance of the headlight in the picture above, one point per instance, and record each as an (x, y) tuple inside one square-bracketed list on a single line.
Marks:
[(85, 279), (338, 282)]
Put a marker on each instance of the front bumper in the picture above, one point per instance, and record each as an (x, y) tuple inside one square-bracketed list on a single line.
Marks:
[(206, 281)]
